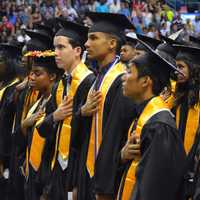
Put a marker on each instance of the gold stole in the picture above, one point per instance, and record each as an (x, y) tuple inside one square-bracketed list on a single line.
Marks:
[(30, 99), (170, 100), (37, 143), (173, 85), (4, 88), (154, 106), (97, 119), (192, 124), (64, 129)]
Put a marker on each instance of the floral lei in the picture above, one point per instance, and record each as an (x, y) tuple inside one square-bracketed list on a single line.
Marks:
[(47, 53)]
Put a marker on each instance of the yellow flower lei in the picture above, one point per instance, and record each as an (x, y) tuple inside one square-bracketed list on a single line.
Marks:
[(47, 53)]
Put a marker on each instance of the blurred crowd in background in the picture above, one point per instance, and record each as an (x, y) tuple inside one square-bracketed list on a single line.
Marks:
[(150, 17)]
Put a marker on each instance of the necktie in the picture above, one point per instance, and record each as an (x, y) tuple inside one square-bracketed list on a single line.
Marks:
[(66, 80)]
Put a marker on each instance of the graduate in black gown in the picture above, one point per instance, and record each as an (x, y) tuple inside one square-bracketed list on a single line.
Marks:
[(11, 73), (106, 115), (128, 51), (154, 149), (133, 48), (140, 49), (58, 127), (42, 76), (25, 97), (192, 191), (186, 97), (166, 48)]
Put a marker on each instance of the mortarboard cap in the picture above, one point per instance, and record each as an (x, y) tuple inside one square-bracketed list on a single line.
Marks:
[(53, 24), (195, 41), (45, 59), (169, 40), (45, 29), (39, 49), (38, 41), (39, 33), (187, 52), (109, 23), (73, 30), (152, 42), (175, 38), (166, 64), (167, 46), (176, 35), (131, 34), (157, 65), (12, 47), (167, 49)]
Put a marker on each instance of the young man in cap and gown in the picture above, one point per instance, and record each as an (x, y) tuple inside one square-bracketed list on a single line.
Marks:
[(154, 154), (107, 112), (59, 124)]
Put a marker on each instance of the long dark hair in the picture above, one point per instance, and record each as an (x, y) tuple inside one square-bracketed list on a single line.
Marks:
[(189, 90)]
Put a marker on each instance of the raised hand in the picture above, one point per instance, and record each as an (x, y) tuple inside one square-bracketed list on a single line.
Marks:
[(64, 110), (92, 104), (131, 150), (30, 121)]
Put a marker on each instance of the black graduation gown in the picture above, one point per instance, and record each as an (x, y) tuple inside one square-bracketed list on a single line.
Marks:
[(192, 189), (33, 187), (16, 180), (184, 108), (191, 185), (57, 182), (119, 111), (160, 171), (7, 112)]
